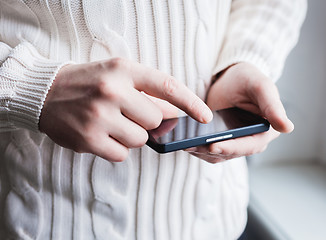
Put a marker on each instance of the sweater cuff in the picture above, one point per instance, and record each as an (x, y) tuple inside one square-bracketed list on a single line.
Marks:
[(30, 77), (231, 57)]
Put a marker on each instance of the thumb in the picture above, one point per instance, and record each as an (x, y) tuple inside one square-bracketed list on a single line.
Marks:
[(271, 107), (277, 117)]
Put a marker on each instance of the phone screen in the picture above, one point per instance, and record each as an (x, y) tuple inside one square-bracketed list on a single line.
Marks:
[(182, 128)]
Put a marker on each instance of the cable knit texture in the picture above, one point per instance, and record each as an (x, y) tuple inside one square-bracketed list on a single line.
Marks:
[(49, 192)]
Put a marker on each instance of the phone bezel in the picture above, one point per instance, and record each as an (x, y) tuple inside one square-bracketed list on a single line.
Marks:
[(263, 126)]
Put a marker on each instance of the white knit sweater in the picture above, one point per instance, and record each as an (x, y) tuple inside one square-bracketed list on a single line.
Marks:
[(49, 192)]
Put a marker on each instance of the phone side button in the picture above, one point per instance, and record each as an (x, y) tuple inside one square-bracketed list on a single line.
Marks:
[(214, 139)]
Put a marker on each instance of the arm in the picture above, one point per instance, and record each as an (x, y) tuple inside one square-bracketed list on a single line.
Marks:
[(25, 78), (96, 107), (261, 32), (259, 37)]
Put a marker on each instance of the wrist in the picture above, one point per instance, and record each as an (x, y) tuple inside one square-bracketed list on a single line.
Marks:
[(31, 76), (221, 73)]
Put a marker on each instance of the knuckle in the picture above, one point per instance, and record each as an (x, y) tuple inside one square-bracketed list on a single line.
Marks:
[(194, 106), (106, 89), (214, 149), (112, 93), (99, 87), (110, 78), (117, 63), (257, 87), (219, 150), (170, 85), (226, 152), (95, 112)]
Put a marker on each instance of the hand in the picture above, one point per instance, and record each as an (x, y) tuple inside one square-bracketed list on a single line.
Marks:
[(244, 86), (100, 107)]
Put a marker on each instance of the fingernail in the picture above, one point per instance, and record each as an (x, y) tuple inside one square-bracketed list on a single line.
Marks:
[(208, 115), (291, 126)]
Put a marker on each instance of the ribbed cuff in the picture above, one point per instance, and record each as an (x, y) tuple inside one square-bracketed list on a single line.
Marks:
[(234, 56), (29, 77)]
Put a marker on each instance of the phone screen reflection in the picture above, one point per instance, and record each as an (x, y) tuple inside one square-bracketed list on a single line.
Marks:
[(178, 129)]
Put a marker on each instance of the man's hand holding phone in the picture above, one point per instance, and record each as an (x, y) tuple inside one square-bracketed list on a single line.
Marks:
[(100, 107), (244, 86)]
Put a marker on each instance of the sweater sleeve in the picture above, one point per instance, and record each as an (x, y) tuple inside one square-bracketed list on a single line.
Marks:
[(262, 33), (25, 78)]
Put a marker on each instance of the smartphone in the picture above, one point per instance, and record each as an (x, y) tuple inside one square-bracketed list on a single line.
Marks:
[(185, 132)]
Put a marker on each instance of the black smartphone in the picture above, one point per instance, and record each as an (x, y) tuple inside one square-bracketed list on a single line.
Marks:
[(185, 132)]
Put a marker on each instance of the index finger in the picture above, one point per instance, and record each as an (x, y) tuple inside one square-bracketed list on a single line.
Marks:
[(164, 86)]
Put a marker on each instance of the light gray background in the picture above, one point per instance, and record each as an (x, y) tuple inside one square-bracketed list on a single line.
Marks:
[(302, 87)]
